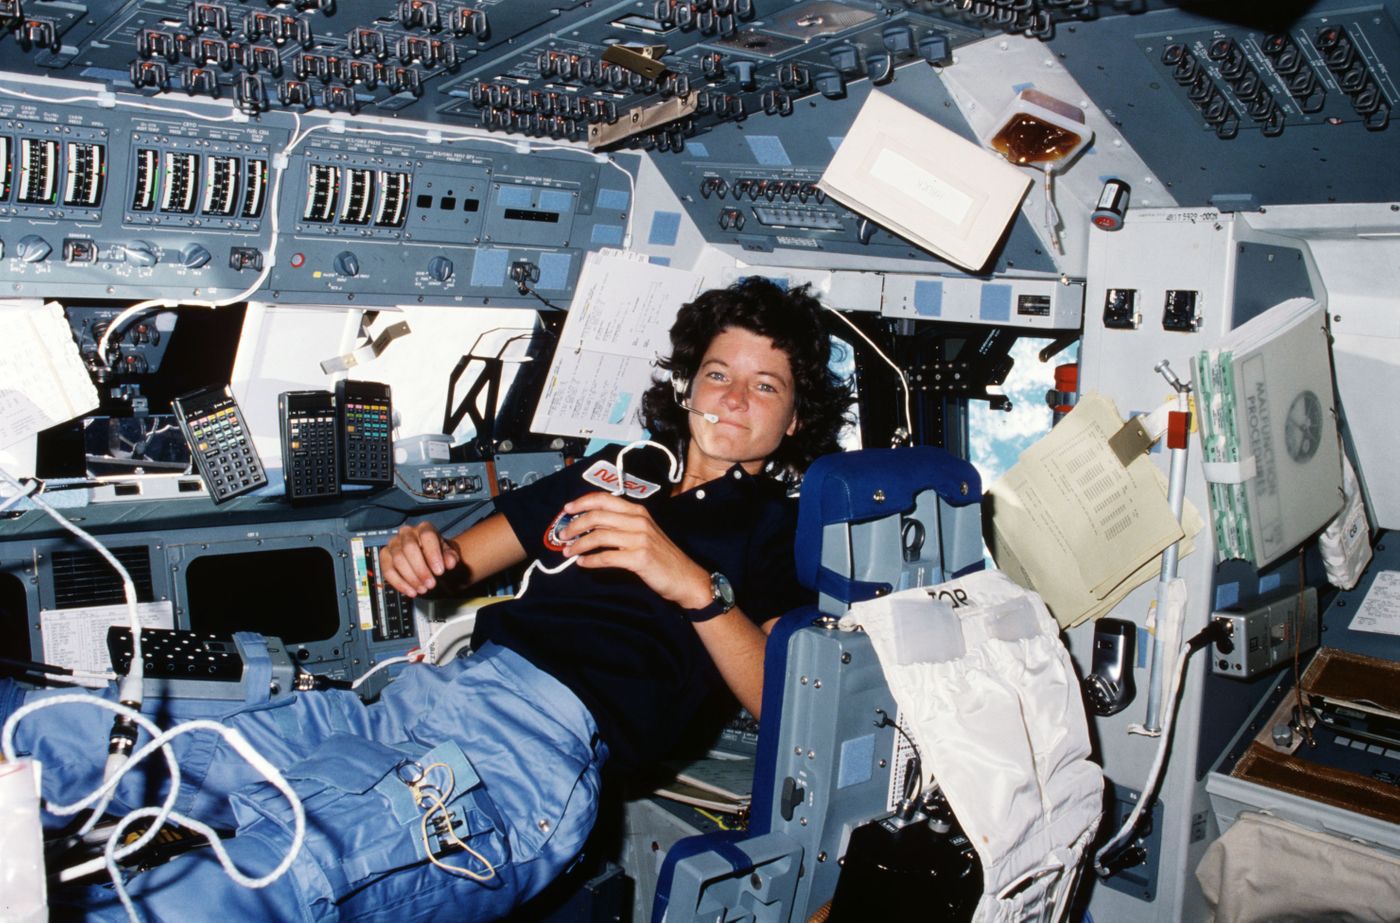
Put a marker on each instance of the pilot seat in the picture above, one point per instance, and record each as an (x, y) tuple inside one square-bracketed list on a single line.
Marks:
[(837, 828)]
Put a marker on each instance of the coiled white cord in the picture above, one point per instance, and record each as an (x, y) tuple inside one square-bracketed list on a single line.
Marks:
[(160, 741), (673, 475)]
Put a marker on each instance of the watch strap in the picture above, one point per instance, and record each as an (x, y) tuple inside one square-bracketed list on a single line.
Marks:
[(722, 601)]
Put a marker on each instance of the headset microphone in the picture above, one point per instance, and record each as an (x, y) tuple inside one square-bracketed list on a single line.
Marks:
[(679, 388)]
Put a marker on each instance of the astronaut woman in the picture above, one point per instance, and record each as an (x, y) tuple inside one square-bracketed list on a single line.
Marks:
[(670, 594)]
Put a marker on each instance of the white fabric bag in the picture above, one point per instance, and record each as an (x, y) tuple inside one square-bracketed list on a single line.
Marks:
[(994, 705)]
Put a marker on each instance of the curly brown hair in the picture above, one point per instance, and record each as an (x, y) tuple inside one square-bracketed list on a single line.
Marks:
[(793, 321)]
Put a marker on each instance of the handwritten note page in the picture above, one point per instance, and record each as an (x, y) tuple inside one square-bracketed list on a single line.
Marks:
[(618, 324), (1380, 610), (43, 381)]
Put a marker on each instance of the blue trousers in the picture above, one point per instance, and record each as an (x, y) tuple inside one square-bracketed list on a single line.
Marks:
[(525, 758)]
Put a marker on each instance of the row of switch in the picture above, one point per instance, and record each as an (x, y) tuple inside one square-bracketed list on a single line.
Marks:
[(80, 250), (514, 98), (608, 75), (347, 263), (1181, 310), (252, 96), (35, 249), (1353, 76), (755, 189), (1291, 67), (1234, 67)]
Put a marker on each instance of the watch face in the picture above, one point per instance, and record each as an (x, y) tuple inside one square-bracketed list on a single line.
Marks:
[(724, 593), (1303, 429)]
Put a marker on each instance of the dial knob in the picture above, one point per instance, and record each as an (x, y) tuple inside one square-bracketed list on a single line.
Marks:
[(441, 269), (347, 263), (195, 256), (33, 249), (140, 253)]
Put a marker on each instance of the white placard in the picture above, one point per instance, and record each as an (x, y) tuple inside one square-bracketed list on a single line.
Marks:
[(896, 170), (1380, 610), (77, 638)]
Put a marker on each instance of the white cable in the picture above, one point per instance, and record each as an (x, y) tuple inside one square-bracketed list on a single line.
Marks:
[(36, 487), (279, 167), (429, 645), (632, 197), (1052, 214), (121, 319), (42, 99), (384, 665), (91, 675), (131, 686), (540, 565), (903, 382), (99, 798), (129, 103), (1150, 786), (254, 759), (161, 741), (675, 473)]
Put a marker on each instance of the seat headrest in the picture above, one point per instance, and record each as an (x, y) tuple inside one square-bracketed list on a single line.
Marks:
[(855, 487)]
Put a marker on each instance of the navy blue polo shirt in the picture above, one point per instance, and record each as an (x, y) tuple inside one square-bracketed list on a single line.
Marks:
[(628, 654)]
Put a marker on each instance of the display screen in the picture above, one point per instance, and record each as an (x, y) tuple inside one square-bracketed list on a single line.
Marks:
[(14, 618), (288, 593)]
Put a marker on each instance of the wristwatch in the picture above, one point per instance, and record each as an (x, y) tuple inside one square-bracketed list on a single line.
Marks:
[(722, 600)]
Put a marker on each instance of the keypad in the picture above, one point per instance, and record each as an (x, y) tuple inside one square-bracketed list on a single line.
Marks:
[(168, 654), (367, 441), (220, 442), (310, 448)]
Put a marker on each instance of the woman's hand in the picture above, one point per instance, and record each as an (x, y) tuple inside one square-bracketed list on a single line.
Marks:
[(611, 531), (415, 558)]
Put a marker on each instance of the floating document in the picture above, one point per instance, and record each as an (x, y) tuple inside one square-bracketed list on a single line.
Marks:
[(1269, 433), (43, 381), (618, 324), (924, 182), (1073, 523)]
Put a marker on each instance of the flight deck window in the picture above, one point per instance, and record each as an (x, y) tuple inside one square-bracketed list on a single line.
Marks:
[(996, 438)]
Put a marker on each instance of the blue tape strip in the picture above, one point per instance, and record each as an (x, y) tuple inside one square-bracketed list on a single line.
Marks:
[(614, 199), (928, 298), (515, 197), (996, 302), (556, 200), (768, 150), (554, 270), (607, 234), (257, 666), (489, 268), (665, 228)]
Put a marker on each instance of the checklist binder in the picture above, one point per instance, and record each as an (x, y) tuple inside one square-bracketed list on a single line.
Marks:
[(1268, 432)]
